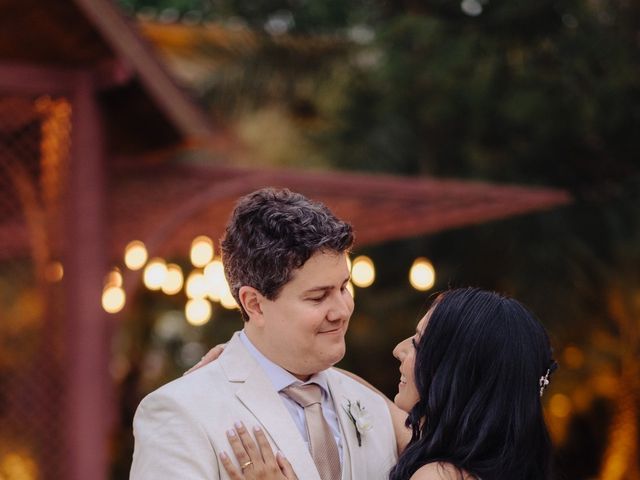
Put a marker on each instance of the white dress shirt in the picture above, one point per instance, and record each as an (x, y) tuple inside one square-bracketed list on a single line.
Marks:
[(281, 379)]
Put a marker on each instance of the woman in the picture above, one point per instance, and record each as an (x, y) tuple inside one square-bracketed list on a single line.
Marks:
[(471, 381)]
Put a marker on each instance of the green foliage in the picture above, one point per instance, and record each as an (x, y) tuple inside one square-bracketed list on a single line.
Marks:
[(544, 94), (535, 92)]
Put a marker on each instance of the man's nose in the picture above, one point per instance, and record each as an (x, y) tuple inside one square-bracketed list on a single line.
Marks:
[(340, 309)]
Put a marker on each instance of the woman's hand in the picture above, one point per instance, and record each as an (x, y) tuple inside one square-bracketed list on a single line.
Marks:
[(209, 357), (257, 461)]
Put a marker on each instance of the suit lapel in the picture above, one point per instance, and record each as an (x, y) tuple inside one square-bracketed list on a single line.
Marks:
[(257, 394), (353, 453)]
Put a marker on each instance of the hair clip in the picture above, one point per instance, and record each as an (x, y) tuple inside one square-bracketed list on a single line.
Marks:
[(544, 381)]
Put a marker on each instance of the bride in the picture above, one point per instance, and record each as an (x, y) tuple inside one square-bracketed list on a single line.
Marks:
[(468, 403)]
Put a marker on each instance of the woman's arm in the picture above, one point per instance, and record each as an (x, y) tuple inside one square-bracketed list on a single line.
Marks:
[(398, 416)]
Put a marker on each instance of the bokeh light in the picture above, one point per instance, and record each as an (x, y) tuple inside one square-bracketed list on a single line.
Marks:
[(201, 251), (216, 283), (197, 311), (196, 285), (54, 272), (422, 275), (363, 272), (560, 405), (155, 274), (174, 280), (113, 299), (135, 255)]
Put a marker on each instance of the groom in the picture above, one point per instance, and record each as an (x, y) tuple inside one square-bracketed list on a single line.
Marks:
[(285, 261)]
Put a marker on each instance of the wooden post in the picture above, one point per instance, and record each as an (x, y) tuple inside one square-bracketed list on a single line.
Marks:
[(88, 392)]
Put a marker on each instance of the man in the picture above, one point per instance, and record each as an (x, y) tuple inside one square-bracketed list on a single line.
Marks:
[(285, 261)]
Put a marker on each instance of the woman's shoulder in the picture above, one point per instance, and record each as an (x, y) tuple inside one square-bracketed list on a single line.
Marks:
[(441, 471)]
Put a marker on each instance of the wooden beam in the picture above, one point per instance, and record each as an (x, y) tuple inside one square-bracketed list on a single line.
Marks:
[(30, 79), (129, 46)]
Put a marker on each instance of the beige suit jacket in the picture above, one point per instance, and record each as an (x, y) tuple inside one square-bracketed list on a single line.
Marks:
[(180, 428)]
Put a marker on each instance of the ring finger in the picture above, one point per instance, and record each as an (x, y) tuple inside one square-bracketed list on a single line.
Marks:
[(239, 450)]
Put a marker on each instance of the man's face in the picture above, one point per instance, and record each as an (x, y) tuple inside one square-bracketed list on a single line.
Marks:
[(304, 327)]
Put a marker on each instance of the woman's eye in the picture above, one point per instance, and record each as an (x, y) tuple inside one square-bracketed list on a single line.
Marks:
[(318, 299), (414, 343)]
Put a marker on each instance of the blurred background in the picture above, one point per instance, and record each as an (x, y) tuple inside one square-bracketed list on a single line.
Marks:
[(482, 142)]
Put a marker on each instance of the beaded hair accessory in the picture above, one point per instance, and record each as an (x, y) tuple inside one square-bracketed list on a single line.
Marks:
[(544, 381)]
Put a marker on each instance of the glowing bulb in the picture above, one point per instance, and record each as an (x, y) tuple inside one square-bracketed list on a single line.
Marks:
[(196, 286), (215, 280), (174, 280), (155, 274), (573, 357), (135, 255), (560, 405), (197, 311), (363, 272), (226, 298), (201, 251), (422, 274), (113, 299), (54, 271), (113, 278)]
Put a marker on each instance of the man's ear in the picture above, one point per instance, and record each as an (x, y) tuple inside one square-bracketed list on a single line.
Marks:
[(250, 299)]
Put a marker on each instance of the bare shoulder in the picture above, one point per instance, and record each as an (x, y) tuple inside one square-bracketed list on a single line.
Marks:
[(440, 471)]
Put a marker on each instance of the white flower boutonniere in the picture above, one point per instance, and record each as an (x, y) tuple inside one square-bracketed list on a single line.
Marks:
[(361, 419)]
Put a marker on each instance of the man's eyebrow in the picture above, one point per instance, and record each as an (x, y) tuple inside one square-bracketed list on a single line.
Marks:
[(324, 287), (317, 289)]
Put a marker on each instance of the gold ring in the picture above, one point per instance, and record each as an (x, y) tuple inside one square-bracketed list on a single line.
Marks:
[(245, 465)]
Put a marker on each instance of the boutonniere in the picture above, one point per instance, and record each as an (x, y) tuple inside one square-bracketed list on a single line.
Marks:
[(361, 419)]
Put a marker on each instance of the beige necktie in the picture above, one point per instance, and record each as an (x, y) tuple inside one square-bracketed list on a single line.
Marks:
[(323, 445)]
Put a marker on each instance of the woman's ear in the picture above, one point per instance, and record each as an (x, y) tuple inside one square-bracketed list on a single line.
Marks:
[(250, 299)]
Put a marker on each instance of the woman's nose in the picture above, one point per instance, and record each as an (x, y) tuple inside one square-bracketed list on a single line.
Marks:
[(398, 352)]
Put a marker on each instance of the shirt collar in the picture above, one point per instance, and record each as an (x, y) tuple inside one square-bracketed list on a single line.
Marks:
[(278, 376)]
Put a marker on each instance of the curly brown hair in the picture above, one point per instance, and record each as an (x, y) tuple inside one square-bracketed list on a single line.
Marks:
[(273, 232)]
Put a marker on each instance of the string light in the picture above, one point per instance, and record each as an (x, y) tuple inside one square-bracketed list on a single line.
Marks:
[(174, 280), (215, 280), (113, 278), (54, 272), (201, 251), (196, 286), (155, 274), (363, 272), (113, 299), (135, 255), (197, 311), (422, 275)]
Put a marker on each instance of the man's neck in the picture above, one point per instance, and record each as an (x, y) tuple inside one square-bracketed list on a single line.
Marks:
[(256, 341)]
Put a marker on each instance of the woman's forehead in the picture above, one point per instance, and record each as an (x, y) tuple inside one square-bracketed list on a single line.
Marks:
[(422, 324)]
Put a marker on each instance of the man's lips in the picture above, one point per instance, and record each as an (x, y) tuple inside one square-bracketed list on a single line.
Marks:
[(333, 330)]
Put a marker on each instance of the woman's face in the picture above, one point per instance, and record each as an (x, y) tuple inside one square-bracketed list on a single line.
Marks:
[(405, 351)]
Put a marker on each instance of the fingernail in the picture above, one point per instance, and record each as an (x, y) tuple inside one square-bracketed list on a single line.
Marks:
[(238, 425), (280, 454), (257, 429), (231, 433), (223, 455)]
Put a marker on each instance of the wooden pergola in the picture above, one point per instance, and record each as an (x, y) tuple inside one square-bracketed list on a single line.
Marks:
[(76, 74)]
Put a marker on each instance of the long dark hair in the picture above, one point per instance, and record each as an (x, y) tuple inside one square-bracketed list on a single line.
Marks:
[(477, 371)]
